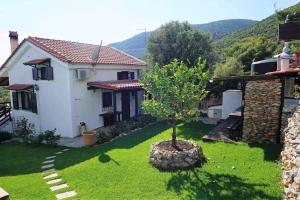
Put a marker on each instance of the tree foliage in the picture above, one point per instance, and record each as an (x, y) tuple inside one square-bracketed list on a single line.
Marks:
[(176, 91), (176, 40), (232, 67)]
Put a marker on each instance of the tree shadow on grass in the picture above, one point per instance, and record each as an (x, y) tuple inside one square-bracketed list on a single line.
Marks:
[(104, 158), (197, 184), (193, 131)]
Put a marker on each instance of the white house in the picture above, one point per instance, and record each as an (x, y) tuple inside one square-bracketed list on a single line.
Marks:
[(59, 84)]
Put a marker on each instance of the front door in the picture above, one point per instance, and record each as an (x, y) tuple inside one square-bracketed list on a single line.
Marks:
[(126, 105)]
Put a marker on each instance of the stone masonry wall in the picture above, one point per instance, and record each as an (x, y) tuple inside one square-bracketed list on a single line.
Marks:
[(290, 157), (262, 110)]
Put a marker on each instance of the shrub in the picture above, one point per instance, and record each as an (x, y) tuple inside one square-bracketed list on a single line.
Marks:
[(144, 120), (25, 130), (36, 139), (4, 135), (123, 127), (133, 125), (51, 138), (101, 137), (113, 132)]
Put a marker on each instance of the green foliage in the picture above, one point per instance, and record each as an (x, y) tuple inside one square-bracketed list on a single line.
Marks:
[(144, 120), (251, 48), (232, 67), (4, 95), (25, 130), (266, 28), (101, 136), (51, 138), (176, 40), (4, 135), (123, 126), (176, 90), (36, 139)]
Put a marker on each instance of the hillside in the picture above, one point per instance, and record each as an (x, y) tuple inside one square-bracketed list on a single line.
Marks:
[(136, 45), (267, 27)]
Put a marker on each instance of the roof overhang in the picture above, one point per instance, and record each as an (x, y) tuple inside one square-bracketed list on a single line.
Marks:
[(37, 61), (20, 87), (118, 85)]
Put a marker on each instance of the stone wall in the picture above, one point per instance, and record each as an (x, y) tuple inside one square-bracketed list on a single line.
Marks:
[(262, 110), (290, 157)]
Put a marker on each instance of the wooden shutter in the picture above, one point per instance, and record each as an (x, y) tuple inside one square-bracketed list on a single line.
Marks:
[(34, 73), (33, 103), (131, 75), (15, 100), (49, 73)]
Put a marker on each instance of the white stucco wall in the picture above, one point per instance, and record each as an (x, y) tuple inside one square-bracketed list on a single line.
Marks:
[(87, 104), (64, 102), (53, 96), (232, 99)]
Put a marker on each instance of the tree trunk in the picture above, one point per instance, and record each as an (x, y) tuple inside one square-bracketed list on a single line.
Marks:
[(174, 133)]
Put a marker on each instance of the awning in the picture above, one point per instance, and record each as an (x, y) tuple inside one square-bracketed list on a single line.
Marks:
[(19, 86), (115, 85), (37, 61)]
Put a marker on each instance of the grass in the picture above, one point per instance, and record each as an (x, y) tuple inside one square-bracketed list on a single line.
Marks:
[(120, 170)]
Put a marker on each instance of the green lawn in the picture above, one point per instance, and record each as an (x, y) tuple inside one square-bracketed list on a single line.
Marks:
[(120, 170)]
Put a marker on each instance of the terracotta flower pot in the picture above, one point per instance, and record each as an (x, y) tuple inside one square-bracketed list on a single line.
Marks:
[(89, 138)]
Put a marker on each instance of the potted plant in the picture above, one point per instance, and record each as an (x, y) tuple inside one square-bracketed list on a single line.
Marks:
[(89, 138)]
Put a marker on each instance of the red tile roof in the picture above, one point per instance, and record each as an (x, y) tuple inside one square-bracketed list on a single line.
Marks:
[(81, 53), (115, 85), (289, 71), (19, 87)]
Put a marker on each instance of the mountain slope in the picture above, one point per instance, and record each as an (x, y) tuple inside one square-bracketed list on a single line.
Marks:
[(268, 27), (136, 45)]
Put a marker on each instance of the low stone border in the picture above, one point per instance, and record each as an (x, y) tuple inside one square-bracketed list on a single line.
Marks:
[(52, 178), (175, 159)]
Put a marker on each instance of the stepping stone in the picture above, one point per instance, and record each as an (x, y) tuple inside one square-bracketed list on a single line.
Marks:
[(66, 195), (47, 166), (51, 176), (47, 161), (58, 187), (50, 157), (60, 152), (65, 149), (54, 181), (48, 171)]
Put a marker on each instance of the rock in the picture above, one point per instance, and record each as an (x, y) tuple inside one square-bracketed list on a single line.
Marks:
[(174, 159)]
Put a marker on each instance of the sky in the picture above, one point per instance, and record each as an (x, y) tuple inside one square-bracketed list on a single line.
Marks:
[(91, 21)]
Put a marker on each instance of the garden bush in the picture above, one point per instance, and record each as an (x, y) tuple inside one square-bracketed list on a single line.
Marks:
[(36, 139), (51, 138), (101, 136), (123, 126), (25, 130), (144, 120), (4, 135)]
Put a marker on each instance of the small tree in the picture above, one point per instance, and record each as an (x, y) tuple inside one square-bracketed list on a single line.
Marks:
[(176, 91)]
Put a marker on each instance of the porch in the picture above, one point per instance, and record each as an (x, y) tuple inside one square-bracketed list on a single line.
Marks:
[(121, 100)]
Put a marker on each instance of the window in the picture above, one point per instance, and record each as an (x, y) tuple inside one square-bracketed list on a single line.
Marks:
[(125, 75), (42, 73), (24, 100), (106, 99)]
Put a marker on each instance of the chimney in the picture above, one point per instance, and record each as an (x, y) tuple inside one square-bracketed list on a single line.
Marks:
[(14, 41)]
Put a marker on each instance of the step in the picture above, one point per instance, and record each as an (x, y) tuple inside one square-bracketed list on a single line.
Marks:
[(66, 195), (51, 176), (48, 161), (50, 157), (60, 152), (54, 181), (48, 171), (47, 166), (65, 149), (58, 187)]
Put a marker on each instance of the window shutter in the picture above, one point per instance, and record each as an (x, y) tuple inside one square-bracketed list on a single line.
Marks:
[(33, 103), (131, 75), (15, 100), (34, 73), (49, 73), (123, 75)]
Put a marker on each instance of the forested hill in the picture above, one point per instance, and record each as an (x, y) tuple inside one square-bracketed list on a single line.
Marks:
[(136, 45), (267, 28)]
